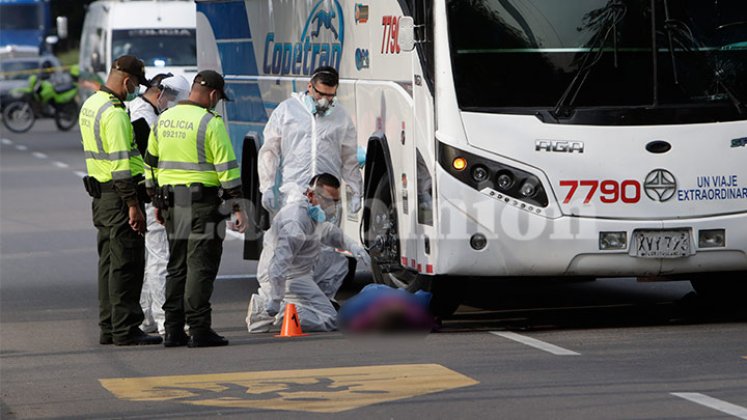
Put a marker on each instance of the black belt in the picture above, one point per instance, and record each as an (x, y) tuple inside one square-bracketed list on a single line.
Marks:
[(109, 185), (186, 194)]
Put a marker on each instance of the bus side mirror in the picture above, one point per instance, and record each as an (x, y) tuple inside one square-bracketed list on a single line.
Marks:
[(406, 33), (62, 27)]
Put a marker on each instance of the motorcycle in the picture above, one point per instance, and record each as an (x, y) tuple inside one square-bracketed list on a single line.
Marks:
[(41, 99)]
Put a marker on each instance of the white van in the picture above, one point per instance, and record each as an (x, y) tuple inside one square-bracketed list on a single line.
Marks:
[(161, 33)]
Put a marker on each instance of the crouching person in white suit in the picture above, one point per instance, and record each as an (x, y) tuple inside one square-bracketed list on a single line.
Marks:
[(291, 249)]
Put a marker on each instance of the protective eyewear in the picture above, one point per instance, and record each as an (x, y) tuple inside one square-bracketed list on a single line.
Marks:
[(329, 96)]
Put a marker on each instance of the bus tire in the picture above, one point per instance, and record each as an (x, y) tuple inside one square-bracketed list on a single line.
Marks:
[(385, 266), (446, 296), (382, 236)]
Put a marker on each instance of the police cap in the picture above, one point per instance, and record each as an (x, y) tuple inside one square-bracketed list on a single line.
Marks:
[(132, 66), (213, 80)]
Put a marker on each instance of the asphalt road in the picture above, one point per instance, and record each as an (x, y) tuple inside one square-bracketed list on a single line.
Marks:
[(612, 349)]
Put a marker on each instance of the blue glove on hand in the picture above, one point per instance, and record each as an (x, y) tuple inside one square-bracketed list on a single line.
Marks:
[(268, 200)]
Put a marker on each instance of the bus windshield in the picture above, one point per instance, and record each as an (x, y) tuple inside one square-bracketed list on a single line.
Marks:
[(601, 61), (157, 47), (20, 17)]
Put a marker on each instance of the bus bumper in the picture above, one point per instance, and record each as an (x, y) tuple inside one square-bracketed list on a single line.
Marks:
[(524, 243)]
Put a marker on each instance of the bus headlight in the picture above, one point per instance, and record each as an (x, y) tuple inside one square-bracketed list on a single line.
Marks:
[(613, 240), (504, 180), (711, 238), (528, 188), (481, 173)]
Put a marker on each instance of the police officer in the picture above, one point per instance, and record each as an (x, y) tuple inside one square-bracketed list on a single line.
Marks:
[(115, 168), (192, 159)]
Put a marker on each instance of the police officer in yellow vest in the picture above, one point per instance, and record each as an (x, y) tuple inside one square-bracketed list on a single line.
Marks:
[(189, 162), (115, 168)]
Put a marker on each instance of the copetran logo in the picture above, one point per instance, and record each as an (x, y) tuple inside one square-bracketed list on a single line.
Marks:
[(321, 43)]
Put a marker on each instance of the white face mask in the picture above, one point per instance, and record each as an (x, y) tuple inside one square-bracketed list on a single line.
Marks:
[(322, 106), (322, 103)]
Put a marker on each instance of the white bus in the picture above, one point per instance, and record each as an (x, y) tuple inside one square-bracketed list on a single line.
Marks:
[(161, 33), (517, 139)]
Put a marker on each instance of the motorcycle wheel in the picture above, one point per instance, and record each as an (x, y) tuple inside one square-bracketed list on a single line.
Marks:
[(18, 116), (66, 116)]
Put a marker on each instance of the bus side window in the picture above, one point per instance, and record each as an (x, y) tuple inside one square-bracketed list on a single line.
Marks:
[(425, 192), (422, 13)]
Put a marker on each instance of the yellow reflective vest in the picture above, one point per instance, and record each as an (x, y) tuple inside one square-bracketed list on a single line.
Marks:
[(108, 141), (189, 144)]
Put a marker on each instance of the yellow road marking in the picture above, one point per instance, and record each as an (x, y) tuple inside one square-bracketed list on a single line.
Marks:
[(314, 390)]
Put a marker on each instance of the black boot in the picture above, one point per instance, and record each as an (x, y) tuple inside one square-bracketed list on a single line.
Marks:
[(207, 339), (138, 338), (175, 338)]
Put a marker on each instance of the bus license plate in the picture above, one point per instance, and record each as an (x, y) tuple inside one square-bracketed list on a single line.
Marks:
[(662, 243)]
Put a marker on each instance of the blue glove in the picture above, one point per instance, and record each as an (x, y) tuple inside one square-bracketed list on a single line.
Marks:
[(354, 205), (361, 155), (268, 200)]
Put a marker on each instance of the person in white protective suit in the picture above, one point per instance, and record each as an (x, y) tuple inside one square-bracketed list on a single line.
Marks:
[(309, 134), (165, 90), (293, 243)]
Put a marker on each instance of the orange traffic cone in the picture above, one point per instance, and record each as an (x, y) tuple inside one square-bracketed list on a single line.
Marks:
[(291, 323)]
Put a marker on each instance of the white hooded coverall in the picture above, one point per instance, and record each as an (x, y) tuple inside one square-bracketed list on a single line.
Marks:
[(156, 243), (291, 248), (298, 145)]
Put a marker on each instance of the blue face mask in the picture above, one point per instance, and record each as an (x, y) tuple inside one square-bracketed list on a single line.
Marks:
[(316, 213), (131, 95)]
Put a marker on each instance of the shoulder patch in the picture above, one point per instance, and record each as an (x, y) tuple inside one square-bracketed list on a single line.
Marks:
[(116, 102)]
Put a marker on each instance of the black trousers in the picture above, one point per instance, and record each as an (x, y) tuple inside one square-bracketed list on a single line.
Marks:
[(195, 233), (121, 263)]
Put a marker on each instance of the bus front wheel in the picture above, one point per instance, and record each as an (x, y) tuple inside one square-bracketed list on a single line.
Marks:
[(383, 242)]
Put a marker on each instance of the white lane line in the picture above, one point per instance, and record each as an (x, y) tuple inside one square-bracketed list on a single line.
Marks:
[(80, 174), (7, 142), (236, 276), (533, 342), (39, 155), (62, 165), (21, 147), (716, 404)]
